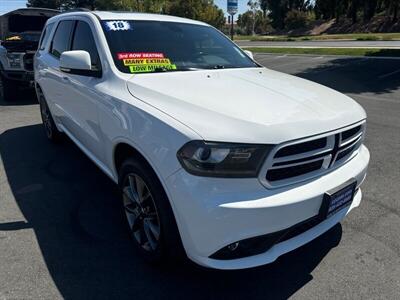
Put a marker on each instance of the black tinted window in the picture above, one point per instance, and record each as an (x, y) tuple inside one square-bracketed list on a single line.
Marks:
[(62, 38), (84, 40), (45, 36)]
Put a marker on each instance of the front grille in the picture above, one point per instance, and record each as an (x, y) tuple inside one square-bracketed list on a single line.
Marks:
[(351, 132), (304, 159), (302, 147), (283, 173)]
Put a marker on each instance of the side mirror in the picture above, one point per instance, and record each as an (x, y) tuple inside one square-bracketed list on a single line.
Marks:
[(249, 54), (77, 62)]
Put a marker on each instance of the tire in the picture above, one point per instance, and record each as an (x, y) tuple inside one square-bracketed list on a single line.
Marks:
[(156, 208), (8, 90), (50, 128)]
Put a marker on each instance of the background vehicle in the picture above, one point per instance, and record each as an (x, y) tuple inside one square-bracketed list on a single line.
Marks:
[(237, 163), (20, 33)]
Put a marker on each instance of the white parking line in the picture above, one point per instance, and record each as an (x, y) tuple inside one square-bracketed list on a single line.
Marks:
[(389, 74)]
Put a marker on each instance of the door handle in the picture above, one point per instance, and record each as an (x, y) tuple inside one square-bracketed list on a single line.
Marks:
[(65, 79)]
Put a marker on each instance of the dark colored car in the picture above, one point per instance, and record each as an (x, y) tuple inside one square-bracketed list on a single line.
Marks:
[(20, 34)]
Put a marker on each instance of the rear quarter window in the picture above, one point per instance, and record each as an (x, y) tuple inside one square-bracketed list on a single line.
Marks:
[(45, 36)]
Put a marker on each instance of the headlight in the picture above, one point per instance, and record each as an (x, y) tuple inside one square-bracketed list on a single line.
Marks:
[(14, 60), (222, 159)]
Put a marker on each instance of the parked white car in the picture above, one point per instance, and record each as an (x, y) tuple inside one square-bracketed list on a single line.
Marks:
[(218, 158)]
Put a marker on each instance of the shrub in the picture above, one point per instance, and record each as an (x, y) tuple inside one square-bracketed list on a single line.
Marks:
[(296, 19)]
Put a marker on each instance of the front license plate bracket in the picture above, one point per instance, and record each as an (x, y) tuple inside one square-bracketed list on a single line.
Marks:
[(337, 199)]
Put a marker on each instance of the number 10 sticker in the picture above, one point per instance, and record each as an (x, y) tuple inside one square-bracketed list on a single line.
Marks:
[(118, 25)]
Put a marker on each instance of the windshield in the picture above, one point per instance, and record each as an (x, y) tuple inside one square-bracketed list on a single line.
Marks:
[(152, 46)]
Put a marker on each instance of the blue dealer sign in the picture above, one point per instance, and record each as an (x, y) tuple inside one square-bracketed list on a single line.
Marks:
[(232, 6)]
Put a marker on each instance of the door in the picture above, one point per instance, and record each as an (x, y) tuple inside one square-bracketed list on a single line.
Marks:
[(50, 77), (80, 99)]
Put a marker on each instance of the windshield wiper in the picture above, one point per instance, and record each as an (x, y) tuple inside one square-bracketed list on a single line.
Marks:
[(219, 67), (161, 69), (164, 69)]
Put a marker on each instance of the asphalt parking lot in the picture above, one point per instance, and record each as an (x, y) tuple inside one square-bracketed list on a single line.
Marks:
[(62, 234)]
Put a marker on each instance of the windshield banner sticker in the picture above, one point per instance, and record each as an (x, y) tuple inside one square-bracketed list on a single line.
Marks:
[(118, 25), (146, 62), (139, 55)]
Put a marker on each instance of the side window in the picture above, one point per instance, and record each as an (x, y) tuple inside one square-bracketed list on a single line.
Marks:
[(84, 40), (45, 36), (62, 37)]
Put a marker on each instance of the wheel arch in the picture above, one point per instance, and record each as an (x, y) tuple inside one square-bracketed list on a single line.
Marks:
[(38, 89), (123, 151)]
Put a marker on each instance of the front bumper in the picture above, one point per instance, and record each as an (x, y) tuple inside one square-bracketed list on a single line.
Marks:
[(215, 212)]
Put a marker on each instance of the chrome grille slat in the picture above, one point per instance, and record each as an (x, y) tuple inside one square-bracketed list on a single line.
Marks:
[(290, 172), (303, 155), (282, 167), (302, 147), (297, 164), (351, 140), (349, 145)]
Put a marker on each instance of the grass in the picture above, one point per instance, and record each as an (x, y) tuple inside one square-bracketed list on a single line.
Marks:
[(330, 51), (324, 37)]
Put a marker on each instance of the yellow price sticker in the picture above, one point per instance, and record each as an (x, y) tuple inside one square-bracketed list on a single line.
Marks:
[(147, 68), (147, 61)]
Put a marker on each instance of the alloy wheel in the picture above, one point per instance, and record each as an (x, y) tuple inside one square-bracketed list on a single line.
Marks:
[(141, 212)]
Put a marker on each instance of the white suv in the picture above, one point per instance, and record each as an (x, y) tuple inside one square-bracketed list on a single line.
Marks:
[(216, 157)]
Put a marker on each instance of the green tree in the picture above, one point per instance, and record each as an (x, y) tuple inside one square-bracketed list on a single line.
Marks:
[(277, 12), (54, 4), (202, 10), (152, 6), (71, 4), (329, 9), (370, 7), (253, 5), (262, 23), (278, 9)]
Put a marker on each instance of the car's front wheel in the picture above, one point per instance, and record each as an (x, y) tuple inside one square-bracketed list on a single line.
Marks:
[(148, 213)]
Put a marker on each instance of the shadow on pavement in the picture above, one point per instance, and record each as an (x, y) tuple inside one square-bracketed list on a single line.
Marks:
[(356, 75), (73, 209), (27, 94)]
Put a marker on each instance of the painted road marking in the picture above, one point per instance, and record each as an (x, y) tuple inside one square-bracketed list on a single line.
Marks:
[(388, 74)]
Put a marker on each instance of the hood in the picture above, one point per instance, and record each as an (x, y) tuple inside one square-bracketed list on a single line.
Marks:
[(254, 105), (25, 20)]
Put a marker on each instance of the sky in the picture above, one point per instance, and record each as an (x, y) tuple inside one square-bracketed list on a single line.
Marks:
[(8, 5)]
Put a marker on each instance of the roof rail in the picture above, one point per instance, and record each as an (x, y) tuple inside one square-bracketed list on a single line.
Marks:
[(82, 9)]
